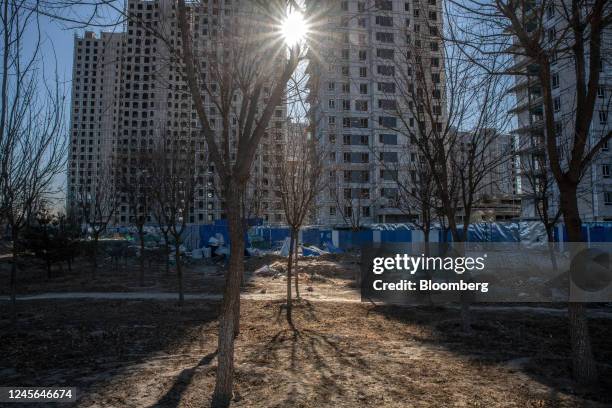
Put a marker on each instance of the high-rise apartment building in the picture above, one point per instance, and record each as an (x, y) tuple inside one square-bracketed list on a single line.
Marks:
[(366, 55), (128, 94), (536, 180)]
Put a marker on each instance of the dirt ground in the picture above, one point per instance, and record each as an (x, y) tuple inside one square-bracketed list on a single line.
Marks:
[(331, 274), (148, 353), (341, 354)]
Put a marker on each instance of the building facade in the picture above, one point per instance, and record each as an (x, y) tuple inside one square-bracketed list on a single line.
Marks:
[(367, 53), (536, 182), (128, 94)]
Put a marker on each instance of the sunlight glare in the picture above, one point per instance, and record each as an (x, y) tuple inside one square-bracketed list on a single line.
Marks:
[(294, 28)]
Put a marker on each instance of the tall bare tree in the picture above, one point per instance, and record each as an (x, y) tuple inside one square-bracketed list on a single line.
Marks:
[(97, 206), (249, 62), (175, 179), (135, 183), (32, 142), (522, 30), (299, 181)]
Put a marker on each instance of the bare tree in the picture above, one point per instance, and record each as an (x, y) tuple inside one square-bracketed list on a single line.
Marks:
[(249, 62), (32, 143), (446, 108), (521, 31), (539, 189), (299, 181), (97, 207), (135, 183), (175, 180)]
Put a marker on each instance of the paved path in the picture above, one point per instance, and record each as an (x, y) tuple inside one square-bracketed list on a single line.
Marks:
[(604, 314)]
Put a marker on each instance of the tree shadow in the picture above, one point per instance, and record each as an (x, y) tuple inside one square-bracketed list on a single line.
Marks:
[(298, 351), (92, 345), (534, 344), (173, 396)]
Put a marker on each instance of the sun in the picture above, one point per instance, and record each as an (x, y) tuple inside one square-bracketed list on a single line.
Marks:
[(294, 28)]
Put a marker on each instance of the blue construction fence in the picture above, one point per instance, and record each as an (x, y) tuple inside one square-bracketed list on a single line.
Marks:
[(269, 237)]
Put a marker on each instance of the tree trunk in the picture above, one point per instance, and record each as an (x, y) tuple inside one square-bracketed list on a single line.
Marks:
[(583, 364), (551, 247), (14, 237), (95, 255), (179, 270), (289, 270), (228, 322), (142, 255), (167, 254), (297, 274)]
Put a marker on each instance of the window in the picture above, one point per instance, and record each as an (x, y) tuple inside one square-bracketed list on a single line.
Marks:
[(386, 87), (361, 106), (389, 139), (363, 72), (387, 121), (344, 6), (608, 198), (605, 147), (361, 22), (555, 80), (433, 16), (331, 120), (551, 34), (384, 37), (385, 53), (550, 10), (345, 54), (433, 45), (603, 117), (601, 92), (363, 55), (385, 5), (346, 104), (363, 89), (605, 170), (557, 104), (365, 211), (388, 174), (387, 70), (346, 87), (332, 210), (345, 71), (361, 6), (331, 86), (387, 104), (384, 21)]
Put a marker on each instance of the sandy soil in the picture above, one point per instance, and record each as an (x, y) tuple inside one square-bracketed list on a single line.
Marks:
[(145, 353), (341, 354)]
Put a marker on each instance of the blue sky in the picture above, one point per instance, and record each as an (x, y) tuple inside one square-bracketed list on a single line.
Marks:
[(56, 55)]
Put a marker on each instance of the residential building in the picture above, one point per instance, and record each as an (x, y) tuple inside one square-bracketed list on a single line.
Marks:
[(536, 181), (365, 51), (128, 94)]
